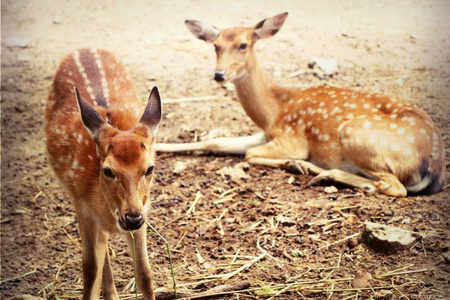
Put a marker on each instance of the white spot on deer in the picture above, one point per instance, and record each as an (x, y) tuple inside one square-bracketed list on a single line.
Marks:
[(348, 131), (388, 105), (395, 110), (367, 125), (374, 110), (350, 116), (79, 138), (288, 129), (395, 147), (346, 104), (353, 105), (308, 124), (373, 139), (435, 136), (339, 118), (288, 118), (410, 139), (423, 131), (70, 81), (335, 110), (284, 96), (393, 116), (393, 126), (401, 130), (71, 174), (377, 118), (393, 100), (407, 151), (302, 112), (75, 164), (90, 157), (378, 105), (325, 137)]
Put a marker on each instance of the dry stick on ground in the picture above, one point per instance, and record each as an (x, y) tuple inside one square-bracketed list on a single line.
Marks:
[(190, 99), (215, 292)]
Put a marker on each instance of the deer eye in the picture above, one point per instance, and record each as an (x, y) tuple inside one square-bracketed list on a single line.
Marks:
[(149, 171), (243, 46), (108, 173)]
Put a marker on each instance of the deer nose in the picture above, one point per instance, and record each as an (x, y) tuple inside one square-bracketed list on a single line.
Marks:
[(134, 220), (219, 76)]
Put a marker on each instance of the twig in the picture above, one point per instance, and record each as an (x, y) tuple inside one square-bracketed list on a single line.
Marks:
[(340, 241), (170, 256), (247, 265), (190, 99), (403, 273), (20, 276), (134, 263), (198, 195)]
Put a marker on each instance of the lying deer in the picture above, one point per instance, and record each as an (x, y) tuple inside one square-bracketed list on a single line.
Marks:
[(100, 145), (333, 132)]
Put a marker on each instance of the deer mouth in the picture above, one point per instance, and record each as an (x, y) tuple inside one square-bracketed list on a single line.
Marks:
[(122, 225)]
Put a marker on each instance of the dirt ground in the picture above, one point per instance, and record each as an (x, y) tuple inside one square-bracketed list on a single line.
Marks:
[(287, 240)]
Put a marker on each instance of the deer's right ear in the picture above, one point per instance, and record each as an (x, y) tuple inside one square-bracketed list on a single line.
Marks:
[(90, 117), (202, 30)]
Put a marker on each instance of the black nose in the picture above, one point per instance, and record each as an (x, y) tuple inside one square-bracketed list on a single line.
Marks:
[(219, 76), (134, 220)]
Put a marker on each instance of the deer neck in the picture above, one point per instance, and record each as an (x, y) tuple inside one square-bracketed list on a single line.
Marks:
[(255, 92)]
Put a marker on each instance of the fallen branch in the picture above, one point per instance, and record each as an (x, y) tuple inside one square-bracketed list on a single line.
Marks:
[(190, 99)]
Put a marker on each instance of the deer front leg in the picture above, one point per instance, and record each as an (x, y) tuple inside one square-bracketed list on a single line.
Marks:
[(94, 244), (144, 273), (108, 286)]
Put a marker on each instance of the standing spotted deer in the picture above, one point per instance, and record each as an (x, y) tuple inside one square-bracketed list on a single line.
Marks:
[(336, 133), (100, 145)]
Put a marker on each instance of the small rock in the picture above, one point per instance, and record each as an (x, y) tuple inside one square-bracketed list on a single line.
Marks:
[(24, 58), (446, 257), (236, 172), (286, 221), (323, 67), (383, 295), (387, 239), (17, 42), (352, 243), (361, 279), (179, 167), (330, 189)]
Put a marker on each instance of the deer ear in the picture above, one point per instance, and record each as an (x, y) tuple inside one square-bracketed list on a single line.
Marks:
[(153, 111), (270, 26), (202, 30), (90, 117)]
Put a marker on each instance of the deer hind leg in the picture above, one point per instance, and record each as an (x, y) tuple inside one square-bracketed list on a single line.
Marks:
[(144, 273), (108, 286), (94, 245), (233, 145)]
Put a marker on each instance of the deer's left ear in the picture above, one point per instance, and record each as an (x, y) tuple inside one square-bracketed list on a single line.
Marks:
[(270, 26), (153, 112)]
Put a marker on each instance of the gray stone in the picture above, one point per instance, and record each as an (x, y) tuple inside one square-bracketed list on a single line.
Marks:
[(388, 239)]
